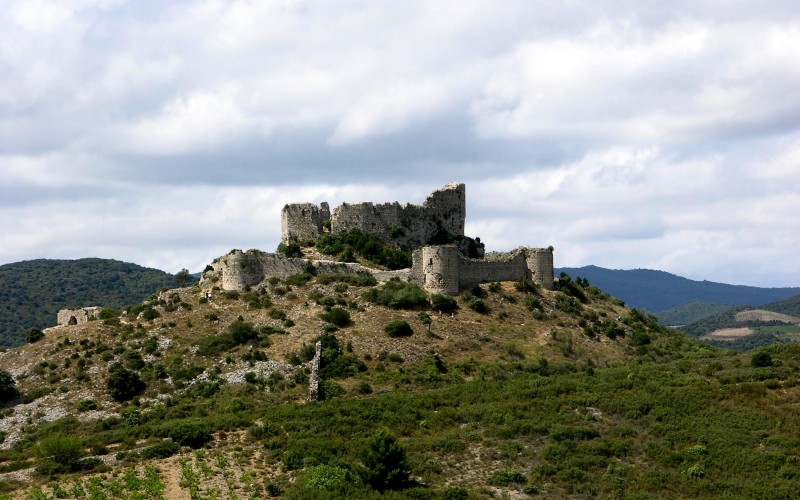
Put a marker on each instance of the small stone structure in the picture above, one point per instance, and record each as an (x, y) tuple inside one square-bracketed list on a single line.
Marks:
[(406, 226), (77, 316), (435, 267)]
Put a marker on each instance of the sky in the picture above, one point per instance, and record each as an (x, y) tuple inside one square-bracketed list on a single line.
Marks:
[(627, 134)]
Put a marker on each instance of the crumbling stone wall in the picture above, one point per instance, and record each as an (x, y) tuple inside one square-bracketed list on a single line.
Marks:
[(313, 379), (77, 316), (238, 270), (303, 221), (442, 268), (406, 226)]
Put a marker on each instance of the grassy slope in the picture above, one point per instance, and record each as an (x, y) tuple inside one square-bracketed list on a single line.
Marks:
[(575, 416), (32, 292), (690, 312)]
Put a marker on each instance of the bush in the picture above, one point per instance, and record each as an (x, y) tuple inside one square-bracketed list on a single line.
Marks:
[(290, 250), (478, 306), (189, 433), (33, 335), (364, 244), (761, 359), (443, 303), (8, 387), (398, 295), (385, 463), (59, 453), (337, 316), (124, 384), (398, 328), (242, 332), (163, 449)]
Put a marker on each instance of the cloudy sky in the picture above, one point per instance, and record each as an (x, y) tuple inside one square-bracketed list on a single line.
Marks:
[(627, 134)]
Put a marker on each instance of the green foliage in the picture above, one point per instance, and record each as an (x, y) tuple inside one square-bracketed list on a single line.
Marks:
[(326, 478), (33, 335), (124, 384), (164, 449), (478, 305), (761, 359), (367, 246), (291, 250), (527, 286), (365, 280), (567, 304), (59, 453), (506, 478), (35, 290), (443, 303), (385, 466), (193, 433), (299, 279), (242, 332), (398, 295), (183, 277), (398, 328), (8, 387), (337, 316)]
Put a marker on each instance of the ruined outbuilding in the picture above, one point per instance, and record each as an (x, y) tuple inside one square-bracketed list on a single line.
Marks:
[(68, 317), (438, 268)]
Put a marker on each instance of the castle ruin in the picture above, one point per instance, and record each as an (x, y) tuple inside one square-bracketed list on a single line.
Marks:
[(438, 268), (67, 317)]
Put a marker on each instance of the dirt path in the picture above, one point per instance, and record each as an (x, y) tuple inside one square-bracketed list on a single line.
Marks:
[(171, 471)]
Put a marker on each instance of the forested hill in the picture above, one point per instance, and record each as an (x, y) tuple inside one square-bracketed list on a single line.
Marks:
[(658, 290), (32, 292)]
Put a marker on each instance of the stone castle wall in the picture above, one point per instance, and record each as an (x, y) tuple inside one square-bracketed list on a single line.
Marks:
[(407, 226), (303, 221), (77, 316), (238, 270), (442, 269)]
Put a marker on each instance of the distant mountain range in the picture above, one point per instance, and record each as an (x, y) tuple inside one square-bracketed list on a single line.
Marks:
[(32, 292), (659, 291)]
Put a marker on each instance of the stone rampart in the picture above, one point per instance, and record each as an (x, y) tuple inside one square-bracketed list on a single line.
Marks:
[(442, 268), (77, 316), (237, 270)]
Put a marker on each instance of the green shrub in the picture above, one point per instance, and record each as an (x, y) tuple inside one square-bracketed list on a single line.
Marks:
[(443, 303), (385, 463), (761, 359), (189, 433), (59, 453), (337, 316), (366, 245), (163, 449), (398, 328), (86, 405), (361, 280), (398, 295), (299, 279), (33, 335), (124, 384), (325, 478), (150, 314), (242, 332), (478, 305), (291, 250), (8, 387), (34, 394)]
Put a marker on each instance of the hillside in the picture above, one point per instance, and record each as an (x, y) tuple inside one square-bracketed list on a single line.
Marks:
[(690, 312), (519, 392), (32, 292), (658, 290)]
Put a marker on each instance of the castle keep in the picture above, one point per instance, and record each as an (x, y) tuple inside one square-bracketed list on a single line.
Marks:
[(438, 268), (406, 226)]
